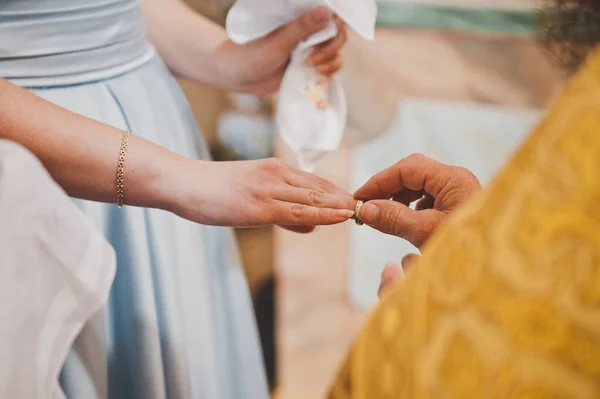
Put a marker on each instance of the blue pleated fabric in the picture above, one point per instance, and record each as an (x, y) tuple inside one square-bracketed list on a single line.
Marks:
[(179, 321)]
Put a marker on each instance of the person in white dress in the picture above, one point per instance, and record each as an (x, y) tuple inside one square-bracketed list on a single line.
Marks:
[(179, 320)]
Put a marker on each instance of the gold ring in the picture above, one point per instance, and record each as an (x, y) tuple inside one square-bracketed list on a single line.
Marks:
[(357, 220)]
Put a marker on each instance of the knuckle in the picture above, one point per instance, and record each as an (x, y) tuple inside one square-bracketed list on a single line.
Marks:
[(274, 166), (466, 177), (259, 197), (325, 185), (297, 211), (461, 172), (392, 221), (315, 197), (416, 157)]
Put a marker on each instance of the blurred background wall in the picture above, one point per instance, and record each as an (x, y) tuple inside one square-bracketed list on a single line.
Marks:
[(461, 81)]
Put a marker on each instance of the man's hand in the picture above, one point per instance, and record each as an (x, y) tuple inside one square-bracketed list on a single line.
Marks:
[(438, 188)]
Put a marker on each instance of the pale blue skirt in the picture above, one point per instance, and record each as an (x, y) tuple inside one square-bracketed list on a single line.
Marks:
[(179, 322)]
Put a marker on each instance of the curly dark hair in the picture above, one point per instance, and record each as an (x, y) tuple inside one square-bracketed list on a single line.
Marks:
[(570, 29)]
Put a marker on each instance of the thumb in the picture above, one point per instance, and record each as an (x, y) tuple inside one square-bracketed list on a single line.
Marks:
[(397, 219), (302, 27)]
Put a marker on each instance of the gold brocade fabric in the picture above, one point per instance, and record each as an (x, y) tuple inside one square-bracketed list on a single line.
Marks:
[(506, 300)]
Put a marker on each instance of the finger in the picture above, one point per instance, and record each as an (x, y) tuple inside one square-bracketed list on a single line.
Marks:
[(319, 57), (299, 229), (397, 219), (390, 273), (341, 30), (332, 67), (302, 27), (415, 172), (393, 272), (290, 214), (327, 51), (335, 43), (409, 260), (315, 198), (339, 23), (307, 180), (407, 196)]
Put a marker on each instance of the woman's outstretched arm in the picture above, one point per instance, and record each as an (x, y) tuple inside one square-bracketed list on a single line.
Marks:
[(81, 154)]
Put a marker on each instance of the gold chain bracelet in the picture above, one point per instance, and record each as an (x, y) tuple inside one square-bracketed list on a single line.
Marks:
[(121, 169)]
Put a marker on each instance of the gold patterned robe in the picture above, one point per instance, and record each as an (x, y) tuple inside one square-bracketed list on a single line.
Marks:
[(505, 302)]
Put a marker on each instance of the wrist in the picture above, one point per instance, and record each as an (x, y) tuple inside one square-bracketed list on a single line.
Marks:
[(183, 187), (233, 64), (153, 175), (167, 182)]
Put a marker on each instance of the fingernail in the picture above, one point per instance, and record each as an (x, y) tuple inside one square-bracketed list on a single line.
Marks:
[(368, 211), (344, 213), (321, 14)]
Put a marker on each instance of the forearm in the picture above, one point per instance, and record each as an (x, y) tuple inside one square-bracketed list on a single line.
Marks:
[(81, 154), (188, 42)]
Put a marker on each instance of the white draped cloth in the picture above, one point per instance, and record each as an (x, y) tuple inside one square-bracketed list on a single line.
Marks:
[(56, 270), (311, 110)]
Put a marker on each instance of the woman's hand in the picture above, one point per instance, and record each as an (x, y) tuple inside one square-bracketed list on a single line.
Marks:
[(258, 67), (252, 193), (258, 193), (196, 48), (438, 188)]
